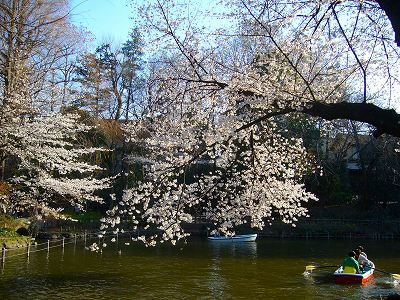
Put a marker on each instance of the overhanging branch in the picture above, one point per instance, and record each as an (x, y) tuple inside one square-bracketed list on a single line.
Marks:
[(384, 120)]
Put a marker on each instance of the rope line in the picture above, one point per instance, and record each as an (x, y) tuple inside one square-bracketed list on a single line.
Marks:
[(24, 253), (50, 244)]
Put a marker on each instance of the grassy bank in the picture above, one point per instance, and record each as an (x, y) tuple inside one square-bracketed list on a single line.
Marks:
[(14, 242), (9, 238)]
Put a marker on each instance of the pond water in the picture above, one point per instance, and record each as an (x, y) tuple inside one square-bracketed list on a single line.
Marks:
[(266, 269)]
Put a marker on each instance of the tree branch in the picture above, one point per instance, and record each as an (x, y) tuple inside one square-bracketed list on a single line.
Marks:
[(392, 10), (384, 120)]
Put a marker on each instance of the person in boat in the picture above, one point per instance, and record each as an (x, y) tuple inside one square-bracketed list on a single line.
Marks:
[(350, 264), (364, 263), (361, 250)]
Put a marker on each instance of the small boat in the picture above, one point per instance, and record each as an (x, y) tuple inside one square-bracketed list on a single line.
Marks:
[(235, 238), (341, 277)]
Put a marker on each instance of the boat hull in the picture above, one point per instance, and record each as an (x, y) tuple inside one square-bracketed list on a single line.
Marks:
[(235, 238), (346, 278)]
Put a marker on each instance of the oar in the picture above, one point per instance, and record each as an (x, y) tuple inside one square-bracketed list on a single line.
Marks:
[(313, 267), (395, 276)]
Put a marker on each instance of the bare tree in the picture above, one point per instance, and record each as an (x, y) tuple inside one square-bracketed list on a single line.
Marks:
[(34, 37)]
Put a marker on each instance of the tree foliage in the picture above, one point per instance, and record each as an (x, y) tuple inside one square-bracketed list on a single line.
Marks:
[(110, 79)]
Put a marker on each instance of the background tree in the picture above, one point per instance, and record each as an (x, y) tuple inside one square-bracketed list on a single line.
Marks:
[(41, 150), (94, 91), (32, 37), (132, 81), (110, 79)]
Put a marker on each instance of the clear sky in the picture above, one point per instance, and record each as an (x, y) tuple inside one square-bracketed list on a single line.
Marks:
[(105, 19)]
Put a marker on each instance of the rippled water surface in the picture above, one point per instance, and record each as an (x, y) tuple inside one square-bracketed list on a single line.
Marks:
[(266, 269)]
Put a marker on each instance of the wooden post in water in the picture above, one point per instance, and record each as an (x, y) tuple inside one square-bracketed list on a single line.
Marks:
[(62, 252), (48, 249), (29, 249), (75, 244), (3, 259)]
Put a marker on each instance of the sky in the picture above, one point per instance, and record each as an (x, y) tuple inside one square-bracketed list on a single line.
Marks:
[(105, 19), (112, 18)]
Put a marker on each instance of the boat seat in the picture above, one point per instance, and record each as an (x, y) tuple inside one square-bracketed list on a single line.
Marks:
[(349, 270)]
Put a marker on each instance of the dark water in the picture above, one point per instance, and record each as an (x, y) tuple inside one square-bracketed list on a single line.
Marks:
[(266, 269)]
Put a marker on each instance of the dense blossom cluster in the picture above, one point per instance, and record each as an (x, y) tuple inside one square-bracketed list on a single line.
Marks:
[(49, 161), (242, 175)]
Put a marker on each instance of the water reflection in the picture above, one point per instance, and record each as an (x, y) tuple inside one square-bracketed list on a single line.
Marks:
[(233, 249), (218, 284)]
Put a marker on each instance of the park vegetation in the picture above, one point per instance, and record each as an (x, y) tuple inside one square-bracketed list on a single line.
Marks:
[(243, 113)]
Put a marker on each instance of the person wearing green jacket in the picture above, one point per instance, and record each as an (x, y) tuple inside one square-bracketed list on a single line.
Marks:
[(350, 265)]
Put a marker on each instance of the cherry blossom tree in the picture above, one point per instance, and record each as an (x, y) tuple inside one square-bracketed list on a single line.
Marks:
[(52, 172), (220, 92), (38, 43)]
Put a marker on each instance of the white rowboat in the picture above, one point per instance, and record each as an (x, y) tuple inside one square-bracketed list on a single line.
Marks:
[(235, 238)]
